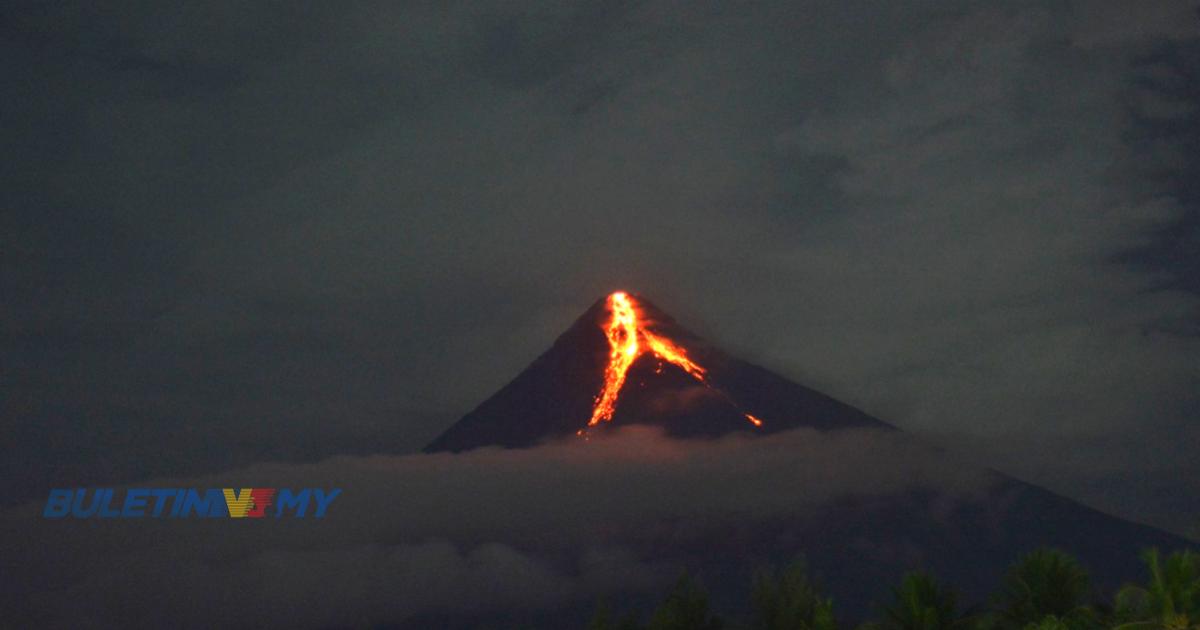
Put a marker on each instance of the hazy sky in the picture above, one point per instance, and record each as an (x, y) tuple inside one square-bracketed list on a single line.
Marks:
[(235, 233)]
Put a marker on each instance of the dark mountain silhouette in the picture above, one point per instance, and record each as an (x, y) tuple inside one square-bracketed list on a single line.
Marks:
[(553, 397), (855, 546)]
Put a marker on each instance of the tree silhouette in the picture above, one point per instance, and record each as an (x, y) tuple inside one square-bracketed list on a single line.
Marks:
[(1046, 583), (920, 603), (603, 619), (1171, 598), (790, 601), (1046, 589), (686, 608), (1049, 622)]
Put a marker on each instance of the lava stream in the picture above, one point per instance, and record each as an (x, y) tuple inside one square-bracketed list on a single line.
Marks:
[(628, 339)]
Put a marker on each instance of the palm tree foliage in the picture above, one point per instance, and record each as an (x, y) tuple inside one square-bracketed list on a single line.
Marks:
[(603, 620), (920, 603), (1049, 622), (790, 601), (1171, 598), (686, 608), (1044, 587), (1043, 590)]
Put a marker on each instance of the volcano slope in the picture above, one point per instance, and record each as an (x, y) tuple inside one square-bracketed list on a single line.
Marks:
[(855, 545)]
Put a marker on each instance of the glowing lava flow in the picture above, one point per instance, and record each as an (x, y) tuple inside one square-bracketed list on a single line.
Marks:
[(622, 331), (626, 336)]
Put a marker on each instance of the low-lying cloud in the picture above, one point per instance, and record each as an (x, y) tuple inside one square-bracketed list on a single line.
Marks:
[(460, 534)]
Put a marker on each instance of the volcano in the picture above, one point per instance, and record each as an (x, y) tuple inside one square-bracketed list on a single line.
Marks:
[(625, 362)]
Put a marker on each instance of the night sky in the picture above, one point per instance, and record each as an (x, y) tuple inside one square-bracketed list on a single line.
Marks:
[(234, 234)]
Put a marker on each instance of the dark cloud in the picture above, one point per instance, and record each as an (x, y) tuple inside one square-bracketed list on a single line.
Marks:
[(234, 234), (484, 531)]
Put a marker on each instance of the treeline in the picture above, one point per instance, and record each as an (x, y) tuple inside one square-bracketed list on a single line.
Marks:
[(1043, 590)]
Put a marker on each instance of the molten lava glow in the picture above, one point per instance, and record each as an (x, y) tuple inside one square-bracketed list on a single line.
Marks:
[(622, 331), (671, 353), (628, 338)]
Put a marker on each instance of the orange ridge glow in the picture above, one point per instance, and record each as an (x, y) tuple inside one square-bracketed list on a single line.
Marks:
[(626, 334)]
